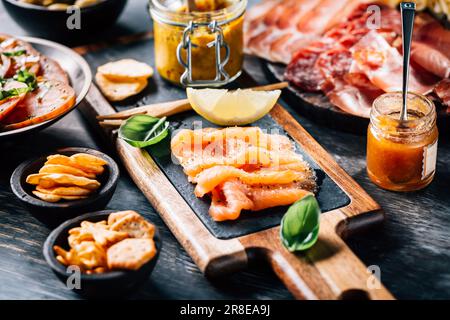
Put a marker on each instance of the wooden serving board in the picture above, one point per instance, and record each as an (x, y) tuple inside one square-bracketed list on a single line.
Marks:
[(329, 270)]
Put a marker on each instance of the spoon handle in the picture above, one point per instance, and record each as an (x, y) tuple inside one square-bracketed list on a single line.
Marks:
[(407, 10)]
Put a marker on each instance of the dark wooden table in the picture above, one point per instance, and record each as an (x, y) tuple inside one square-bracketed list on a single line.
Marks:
[(412, 249)]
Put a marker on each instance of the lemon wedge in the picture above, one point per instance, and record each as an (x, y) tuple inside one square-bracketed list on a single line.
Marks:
[(230, 108)]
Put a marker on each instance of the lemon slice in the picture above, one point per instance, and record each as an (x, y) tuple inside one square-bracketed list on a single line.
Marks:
[(230, 108)]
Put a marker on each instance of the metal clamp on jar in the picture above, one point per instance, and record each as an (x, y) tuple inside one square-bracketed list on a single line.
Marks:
[(202, 48)]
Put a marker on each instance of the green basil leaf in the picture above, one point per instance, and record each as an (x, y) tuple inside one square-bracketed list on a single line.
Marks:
[(142, 131), (14, 53), (300, 225)]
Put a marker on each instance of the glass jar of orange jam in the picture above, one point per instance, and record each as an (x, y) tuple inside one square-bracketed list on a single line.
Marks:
[(401, 155), (201, 48)]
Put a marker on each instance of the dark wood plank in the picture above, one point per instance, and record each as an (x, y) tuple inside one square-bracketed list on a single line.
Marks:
[(411, 248)]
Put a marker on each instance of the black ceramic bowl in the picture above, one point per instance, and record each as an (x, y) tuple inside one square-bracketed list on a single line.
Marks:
[(52, 24), (111, 284), (55, 213)]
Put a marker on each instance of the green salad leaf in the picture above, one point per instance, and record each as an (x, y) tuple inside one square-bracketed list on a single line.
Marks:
[(4, 94), (300, 225), (142, 131), (26, 77), (14, 53), (23, 76)]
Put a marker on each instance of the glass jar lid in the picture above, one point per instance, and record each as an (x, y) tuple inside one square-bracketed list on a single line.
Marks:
[(174, 12)]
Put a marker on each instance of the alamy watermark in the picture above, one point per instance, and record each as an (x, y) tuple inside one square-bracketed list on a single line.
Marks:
[(74, 20)]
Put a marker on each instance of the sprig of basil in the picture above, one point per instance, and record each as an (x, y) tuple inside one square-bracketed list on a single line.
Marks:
[(300, 225), (142, 131)]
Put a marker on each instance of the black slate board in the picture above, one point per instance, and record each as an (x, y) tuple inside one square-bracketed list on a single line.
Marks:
[(330, 196)]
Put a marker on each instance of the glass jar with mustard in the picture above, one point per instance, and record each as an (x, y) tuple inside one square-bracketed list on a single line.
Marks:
[(401, 154), (198, 47)]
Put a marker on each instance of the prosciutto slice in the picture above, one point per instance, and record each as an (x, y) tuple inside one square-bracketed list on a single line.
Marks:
[(275, 30), (383, 64), (431, 32), (430, 59)]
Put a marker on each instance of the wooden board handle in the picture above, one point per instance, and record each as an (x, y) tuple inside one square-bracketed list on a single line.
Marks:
[(329, 270)]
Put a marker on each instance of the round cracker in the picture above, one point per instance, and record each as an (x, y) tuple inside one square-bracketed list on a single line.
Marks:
[(126, 70), (117, 91), (130, 254), (135, 226), (115, 216)]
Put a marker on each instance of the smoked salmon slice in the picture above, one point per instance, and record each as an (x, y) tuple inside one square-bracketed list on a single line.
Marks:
[(233, 196), (242, 168), (212, 177)]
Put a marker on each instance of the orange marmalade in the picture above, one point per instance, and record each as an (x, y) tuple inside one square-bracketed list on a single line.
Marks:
[(186, 51), (401, 155)]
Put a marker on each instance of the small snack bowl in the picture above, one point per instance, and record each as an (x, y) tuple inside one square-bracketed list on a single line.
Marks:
[(54, 213), (103, 285)]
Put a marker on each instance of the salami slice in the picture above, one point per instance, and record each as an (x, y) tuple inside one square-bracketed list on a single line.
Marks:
[(303, 71), (335, 62), (49, 100)]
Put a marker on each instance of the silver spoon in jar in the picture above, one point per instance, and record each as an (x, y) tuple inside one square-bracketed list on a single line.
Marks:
[(407, 10)]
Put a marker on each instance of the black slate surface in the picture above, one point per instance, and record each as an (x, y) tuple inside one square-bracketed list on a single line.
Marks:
[(329, 195)]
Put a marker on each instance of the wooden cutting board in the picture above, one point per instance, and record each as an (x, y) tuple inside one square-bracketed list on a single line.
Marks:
[(329, 270)]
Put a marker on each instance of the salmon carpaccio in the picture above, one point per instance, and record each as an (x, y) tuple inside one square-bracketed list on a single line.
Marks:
[(242, 168)]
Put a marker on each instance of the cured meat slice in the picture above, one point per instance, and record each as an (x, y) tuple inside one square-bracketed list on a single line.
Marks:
[(430, 59), (275, 32), (324, 15), (442, 90), (51, 99), (383, 64), (353, 99), (7, 105), (294, 12), (5, 65), (302, 70), (283, 39), (51, 70), (432, 33)]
